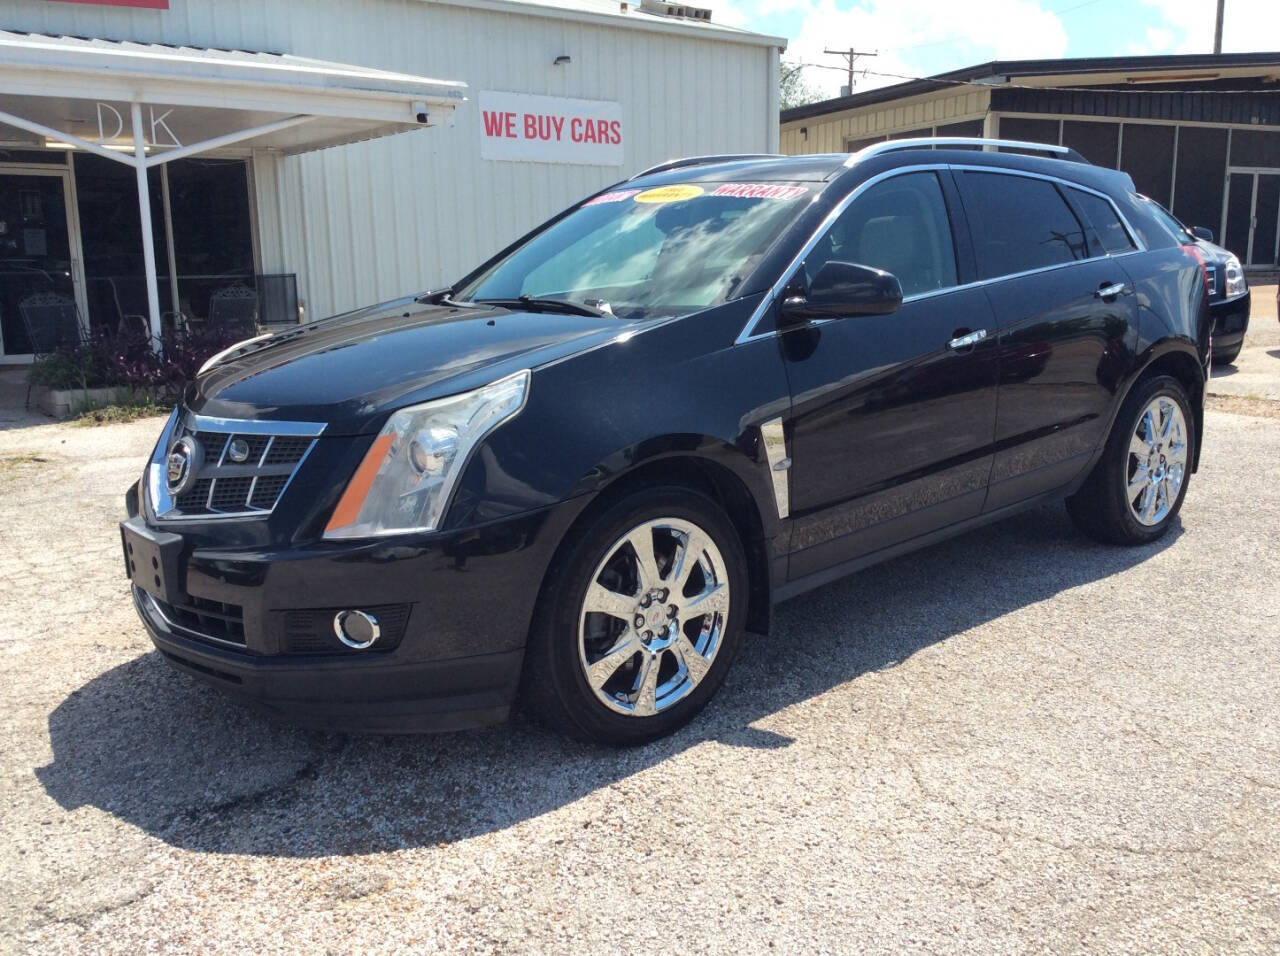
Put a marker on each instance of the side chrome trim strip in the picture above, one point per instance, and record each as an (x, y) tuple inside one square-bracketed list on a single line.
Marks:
[(775, 452), (748, 331)]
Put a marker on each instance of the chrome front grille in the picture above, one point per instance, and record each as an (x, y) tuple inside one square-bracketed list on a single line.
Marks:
[(271, 453)]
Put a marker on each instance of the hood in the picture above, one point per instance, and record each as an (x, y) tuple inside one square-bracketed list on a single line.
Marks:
[(351, 370)]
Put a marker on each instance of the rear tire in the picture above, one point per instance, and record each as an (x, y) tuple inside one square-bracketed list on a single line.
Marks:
[(1137, 487), (625, 647)]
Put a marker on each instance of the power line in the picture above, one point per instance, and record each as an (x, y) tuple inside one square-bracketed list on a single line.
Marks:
[(990, 85)]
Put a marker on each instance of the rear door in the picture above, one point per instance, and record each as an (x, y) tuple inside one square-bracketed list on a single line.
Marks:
[(1067, 320), (893, 414)]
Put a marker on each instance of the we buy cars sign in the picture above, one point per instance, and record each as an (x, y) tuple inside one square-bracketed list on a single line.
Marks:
[(525, 128)]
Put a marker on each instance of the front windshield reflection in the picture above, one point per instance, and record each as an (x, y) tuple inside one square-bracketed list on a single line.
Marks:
[(664, 251)]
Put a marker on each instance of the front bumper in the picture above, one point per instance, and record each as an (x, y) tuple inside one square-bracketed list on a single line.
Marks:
[(1230, 320), (467, 600)]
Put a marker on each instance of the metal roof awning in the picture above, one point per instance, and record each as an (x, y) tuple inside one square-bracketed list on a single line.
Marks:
[(143, 104), (58, 81)]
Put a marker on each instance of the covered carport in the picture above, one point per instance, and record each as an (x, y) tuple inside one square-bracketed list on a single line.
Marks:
[(144, 105)]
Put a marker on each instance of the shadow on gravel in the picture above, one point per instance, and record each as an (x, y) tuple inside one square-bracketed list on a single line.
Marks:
[(185, 765)]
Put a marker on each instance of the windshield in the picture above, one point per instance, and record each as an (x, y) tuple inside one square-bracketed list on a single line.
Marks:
[(639, 253), (1180, 230)]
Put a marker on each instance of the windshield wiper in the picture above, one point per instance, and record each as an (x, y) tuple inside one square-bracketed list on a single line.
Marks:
[(536, 304), (442, 297)]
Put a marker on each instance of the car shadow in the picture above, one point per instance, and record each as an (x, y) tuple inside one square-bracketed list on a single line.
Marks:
[(184, 764), (1223, 371)]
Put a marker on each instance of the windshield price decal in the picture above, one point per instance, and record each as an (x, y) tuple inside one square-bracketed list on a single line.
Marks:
[(760, 191), (669, 194)]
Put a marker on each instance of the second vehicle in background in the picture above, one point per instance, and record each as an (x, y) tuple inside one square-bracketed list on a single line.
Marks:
[(1229, 296)]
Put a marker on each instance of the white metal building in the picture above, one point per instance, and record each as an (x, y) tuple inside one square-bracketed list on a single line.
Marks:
[(259, 195)]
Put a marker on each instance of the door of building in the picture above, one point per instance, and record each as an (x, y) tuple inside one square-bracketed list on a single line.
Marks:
[(39, 248), (1251, 216)]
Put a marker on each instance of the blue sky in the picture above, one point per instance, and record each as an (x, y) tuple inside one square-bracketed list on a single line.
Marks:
[(919, 37)]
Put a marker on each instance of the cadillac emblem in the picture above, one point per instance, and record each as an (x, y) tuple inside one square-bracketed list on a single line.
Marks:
[(184, 461)]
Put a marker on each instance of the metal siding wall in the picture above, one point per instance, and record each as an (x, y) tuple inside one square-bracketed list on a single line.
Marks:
[(375, 220), (828, 134)]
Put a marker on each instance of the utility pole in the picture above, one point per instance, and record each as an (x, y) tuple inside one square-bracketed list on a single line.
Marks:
[(1217, 29), (850, 55)]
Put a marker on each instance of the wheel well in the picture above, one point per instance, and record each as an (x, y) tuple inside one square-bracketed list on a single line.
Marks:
[(1185, 369), (723, 487)]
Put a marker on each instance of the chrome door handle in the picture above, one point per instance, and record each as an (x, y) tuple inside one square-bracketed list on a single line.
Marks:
[(964, 341), (1110, 291)]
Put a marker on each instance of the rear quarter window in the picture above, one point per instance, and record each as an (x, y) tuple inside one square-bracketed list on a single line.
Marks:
[(1106, 224)]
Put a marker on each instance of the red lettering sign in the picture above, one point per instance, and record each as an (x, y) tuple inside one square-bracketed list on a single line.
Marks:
[(524, 127)]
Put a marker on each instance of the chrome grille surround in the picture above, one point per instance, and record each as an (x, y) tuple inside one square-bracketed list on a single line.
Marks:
[(221, 488)]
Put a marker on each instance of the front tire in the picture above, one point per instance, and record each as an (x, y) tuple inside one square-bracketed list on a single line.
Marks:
[(1136, 489), (640, 617)]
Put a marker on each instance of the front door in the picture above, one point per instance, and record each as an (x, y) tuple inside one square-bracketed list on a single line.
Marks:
[(1251, 218), (893, 415), (38, 248)]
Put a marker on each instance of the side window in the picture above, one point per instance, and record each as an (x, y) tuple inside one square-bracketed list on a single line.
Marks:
[(899, 225), (1019, 223), (1111, 231)]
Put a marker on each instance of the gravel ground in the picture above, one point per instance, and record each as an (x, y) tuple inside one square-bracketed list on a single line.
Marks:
[(1017, 740), (1255, 374)]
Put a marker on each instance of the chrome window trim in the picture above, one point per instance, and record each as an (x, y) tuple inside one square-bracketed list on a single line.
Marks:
[(748, 332), (775, 452), (162, 503), (1138, 244)]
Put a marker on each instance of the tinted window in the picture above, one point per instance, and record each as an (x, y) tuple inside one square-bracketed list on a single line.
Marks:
[(1172, 228), (899, 225), (1111, 232), (1020, 223)]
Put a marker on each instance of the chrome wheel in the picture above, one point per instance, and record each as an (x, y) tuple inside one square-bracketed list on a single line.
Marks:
[(653, 617), (1157, 461)]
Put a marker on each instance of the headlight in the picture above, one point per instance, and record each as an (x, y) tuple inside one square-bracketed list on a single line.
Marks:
[(1235, 277), (406, 477), (215, 359)]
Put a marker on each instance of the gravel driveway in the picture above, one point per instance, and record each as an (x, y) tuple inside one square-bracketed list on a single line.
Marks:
[(1015, 740)]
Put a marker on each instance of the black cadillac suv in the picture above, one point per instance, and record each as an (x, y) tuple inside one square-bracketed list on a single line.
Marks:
[(578, 475)]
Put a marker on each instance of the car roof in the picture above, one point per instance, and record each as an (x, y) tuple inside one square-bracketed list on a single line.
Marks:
[(822, 167), (762, 168)]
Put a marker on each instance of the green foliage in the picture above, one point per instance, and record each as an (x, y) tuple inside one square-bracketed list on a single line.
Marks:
[(793, 89)]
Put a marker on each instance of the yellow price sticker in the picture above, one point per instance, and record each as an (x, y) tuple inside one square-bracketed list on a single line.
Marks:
[(669, 194)]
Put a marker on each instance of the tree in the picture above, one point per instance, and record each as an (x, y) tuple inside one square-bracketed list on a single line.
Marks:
[(793, 89)]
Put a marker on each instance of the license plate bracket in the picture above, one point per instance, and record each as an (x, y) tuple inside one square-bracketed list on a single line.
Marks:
[(152, 560)]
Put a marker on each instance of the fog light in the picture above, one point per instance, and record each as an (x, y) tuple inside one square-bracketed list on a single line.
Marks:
[(356, 629)]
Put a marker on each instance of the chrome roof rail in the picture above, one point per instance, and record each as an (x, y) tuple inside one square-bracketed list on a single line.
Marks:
[(977, 142), (703, 161)]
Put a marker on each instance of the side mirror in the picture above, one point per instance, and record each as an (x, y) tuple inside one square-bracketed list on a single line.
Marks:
[(845, 289), (1202, 232)]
